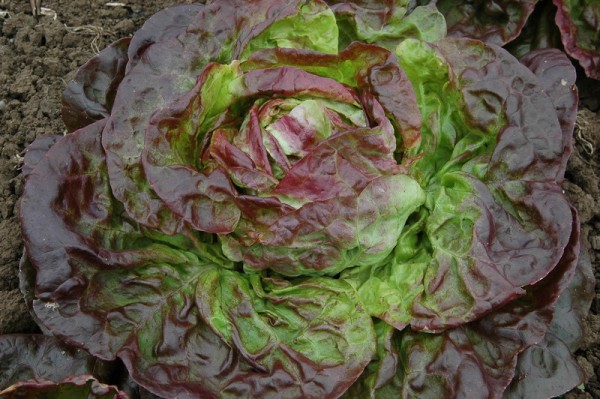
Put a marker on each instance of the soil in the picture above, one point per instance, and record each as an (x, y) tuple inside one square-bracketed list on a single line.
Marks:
[(39, 55)]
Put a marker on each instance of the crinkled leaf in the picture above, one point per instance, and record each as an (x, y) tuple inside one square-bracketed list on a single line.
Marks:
[(168, 69), (204, 196), (367, 20), (469, 265), (482, 270), (424, 23), (558, 76), (90, 95), (165, 24), (310, 163), (73, 387), (334, 221), (327, 236), (539, 32), (496, 22), (380, 378), (448, 103), (313, 27), (27, 357), (114, 289), (549, 368), (483, 236), (278, 325), (579, 24), (504, 106), (358, 66), (545, 369), (477, 359), (386, 23)]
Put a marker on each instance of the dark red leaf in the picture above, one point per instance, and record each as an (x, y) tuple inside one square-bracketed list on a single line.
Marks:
[(90, 95)]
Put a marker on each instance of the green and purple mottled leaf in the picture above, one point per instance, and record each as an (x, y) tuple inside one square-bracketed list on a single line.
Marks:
[(145, 307), (579, 24), (496, 212), (169, 69), (359, 65), (329, 214), (475, 360)]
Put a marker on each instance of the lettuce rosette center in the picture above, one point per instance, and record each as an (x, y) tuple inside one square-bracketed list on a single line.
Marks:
[(296, 172)]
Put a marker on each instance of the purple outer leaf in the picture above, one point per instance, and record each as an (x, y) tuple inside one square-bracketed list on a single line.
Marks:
[(549, 368), (558, 76), (531, 144), (72, 387), (36, 151), (167, 70), (539, 32), (497, 22), (27, 288), (574, 304), (25, 357), (165, 24), (90, 95), (579, 23), (545, 369)]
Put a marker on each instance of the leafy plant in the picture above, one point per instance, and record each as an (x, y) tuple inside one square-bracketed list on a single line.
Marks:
[(294, 199)]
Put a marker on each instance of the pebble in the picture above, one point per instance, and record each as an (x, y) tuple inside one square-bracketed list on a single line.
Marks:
[(595, 241)]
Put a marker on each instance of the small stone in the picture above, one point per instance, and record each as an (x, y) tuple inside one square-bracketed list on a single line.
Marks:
[(125, 27), (595, 242), (71, 39)]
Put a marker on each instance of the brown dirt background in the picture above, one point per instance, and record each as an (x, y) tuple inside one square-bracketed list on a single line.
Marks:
[(37, 58)]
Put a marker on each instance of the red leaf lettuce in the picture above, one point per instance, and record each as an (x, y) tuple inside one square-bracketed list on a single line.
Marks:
[(295, 199)]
